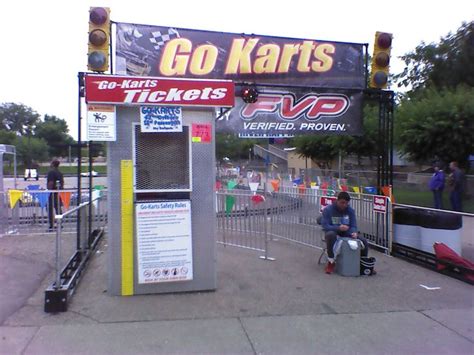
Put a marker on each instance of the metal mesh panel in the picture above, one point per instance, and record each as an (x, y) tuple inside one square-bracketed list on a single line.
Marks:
[(162, 161)]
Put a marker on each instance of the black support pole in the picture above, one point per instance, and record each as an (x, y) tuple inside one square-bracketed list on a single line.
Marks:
[(80, 76)]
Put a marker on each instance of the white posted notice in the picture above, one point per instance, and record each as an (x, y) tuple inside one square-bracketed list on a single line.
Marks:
[(164, 244)]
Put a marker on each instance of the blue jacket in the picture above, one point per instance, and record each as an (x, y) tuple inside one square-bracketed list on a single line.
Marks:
[(333, 218), (437, 181)]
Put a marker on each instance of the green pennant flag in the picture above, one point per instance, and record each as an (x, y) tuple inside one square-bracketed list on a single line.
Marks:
[(229, 204), (231, 184)]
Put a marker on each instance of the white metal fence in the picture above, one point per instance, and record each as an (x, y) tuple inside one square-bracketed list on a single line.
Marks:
[(33, 211), (250, 221)]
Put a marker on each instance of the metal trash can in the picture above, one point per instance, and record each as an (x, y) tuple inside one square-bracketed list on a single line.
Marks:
[(348, 258), (440, 227), (406, 227)]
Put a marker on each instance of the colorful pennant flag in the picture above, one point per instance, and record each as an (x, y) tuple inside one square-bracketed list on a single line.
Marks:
[(42, 198), (231, 184), (229, 204), (275, 185), (14, 196), (387, 191), (65, 197), (253, 186), (257, 199)]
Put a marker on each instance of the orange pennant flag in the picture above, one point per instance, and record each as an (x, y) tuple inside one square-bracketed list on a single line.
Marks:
[(387, 191), (65, 197), (275, 185)]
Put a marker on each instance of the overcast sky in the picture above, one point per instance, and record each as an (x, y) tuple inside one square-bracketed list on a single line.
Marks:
[(44, 43)]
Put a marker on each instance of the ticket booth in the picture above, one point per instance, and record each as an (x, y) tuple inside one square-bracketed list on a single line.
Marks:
[(161, 173)]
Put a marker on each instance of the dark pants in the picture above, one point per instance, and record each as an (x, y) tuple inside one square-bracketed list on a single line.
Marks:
[(53, 208), (456, 201), (331, 238), (438, 199)]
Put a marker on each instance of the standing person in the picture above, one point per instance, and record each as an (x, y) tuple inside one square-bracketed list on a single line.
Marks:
[(456, 185), (437, 186), (339, 220), (55, 181)]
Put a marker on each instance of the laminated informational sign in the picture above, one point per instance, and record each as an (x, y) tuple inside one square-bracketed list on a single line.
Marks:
[(201, 132), (380, 204), (101, 123), (161, 119), (164, 243), (326, 201)]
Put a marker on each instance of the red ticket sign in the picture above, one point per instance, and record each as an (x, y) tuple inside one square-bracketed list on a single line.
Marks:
[(326, 201), (128, 90), (380, 204), (201, 132)]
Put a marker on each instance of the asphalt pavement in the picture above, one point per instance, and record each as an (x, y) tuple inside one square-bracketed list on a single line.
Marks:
[(286, 306)]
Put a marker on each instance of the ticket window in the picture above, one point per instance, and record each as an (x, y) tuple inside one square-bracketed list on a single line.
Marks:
[(162, 164)]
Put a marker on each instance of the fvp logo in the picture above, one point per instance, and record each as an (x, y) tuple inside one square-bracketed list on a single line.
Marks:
[(287, 107)]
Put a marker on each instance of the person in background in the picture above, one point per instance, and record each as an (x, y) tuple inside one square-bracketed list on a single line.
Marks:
[(55, 181), (456, 186), (437, 186), (339, 219)]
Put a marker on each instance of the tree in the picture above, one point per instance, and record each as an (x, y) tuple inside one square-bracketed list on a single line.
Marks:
[(319, 149), (54, 131), (324, 149), (18, 118), (7, 137), (438, 65), (31, 149), (232, 147), (439, 125)]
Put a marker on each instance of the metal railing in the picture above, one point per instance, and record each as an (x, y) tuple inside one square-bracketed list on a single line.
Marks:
[(89, 219), (251, 221), (32, 211)]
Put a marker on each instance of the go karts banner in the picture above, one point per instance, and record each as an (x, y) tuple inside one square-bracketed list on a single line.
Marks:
[(143, 50), (286, 114)]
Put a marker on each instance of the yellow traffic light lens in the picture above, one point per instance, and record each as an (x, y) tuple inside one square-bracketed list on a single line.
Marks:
[(98, 15), (97, 38)]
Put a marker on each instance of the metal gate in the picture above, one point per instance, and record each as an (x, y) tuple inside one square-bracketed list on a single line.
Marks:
[(250, 221)]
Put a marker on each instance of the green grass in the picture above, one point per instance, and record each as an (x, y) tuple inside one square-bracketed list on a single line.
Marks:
[(65, 169), (425, 199)]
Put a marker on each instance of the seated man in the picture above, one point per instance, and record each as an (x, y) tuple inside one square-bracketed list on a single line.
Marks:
[(339, 219)]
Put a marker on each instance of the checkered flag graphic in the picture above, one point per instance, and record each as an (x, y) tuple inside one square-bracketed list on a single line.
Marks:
[(159, 39)]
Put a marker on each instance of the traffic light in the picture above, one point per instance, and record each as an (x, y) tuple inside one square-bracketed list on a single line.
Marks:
[(381, 60), (99, 39)]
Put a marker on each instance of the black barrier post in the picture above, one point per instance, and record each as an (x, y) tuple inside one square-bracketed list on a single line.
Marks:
[(80, 76), (89, 229), (385, 98)]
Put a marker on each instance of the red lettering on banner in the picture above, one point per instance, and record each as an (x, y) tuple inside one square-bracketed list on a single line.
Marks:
[(312, 106)]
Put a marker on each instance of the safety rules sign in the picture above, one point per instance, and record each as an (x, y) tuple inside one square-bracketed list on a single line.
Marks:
[(164, 245)]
